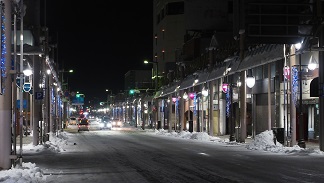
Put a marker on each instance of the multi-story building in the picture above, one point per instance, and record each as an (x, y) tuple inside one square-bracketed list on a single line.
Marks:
[(248, 37)]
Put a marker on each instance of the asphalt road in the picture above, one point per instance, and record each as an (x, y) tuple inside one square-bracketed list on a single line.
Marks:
[(128, 155)]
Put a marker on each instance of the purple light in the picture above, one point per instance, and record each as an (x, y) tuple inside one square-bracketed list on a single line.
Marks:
[(225, 87), (192, 95)]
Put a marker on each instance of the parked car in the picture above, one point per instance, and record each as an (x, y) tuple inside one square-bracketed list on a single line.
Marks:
[(83, 125), (72, 121), (105, 123)]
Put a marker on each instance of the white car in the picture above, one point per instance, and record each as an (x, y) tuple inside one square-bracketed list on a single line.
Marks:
[(72, 121), (105, 123), (117, 124)]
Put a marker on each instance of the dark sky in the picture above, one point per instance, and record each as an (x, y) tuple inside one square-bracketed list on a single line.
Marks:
[(100, 41)]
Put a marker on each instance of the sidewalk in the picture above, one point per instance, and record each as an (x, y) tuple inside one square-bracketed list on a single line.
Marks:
[(25, 139)]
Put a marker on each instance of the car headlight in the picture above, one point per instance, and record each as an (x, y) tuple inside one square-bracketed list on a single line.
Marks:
[(101, 125), (109, 125)]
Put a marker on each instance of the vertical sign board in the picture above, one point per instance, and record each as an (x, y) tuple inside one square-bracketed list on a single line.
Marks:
[(1, 89), (2, 47), (24, 104)]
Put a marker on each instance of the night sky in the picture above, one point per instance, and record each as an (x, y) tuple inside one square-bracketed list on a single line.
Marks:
[(100, 41)]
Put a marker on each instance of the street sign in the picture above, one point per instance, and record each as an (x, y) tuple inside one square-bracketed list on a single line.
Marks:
[(78, 99), (27, 87), (38, 95), (18, 81)]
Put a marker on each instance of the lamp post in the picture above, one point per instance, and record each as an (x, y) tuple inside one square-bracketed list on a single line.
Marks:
[(62, 79), (185, 97), (65, 104), (175, 100), (108, 96), (250, 82), (297, 75), (48, 123), (23, 72), (156, 75), (301, 142), (205, 93)]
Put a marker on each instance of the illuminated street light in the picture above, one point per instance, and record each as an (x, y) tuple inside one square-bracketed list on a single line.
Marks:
[(312, 63), (62, 79), (204, 92), (250, 79), (156, 75), (28, 70), (108, 96)]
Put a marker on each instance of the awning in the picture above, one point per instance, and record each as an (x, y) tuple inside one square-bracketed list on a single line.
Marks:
[(234, 64), (147, 98), (216, 73), (188, 82), (168, 90), (202, 77), (262, 55), (257, 57), (205, 76), (157, 94)]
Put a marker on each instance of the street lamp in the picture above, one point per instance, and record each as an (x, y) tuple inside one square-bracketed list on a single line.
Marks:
[(250, 79), (107, 90), (25, 72), (65, 102), (28, 70), (312, 63), (156, 75), (297, 76), (62, 79), (301, 142)]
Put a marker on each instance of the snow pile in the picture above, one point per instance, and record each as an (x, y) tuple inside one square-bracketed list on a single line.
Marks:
[(28, 172), (264, 141)]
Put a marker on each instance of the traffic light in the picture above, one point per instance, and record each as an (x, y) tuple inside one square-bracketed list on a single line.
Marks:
[(131, 92), (77, 95)]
